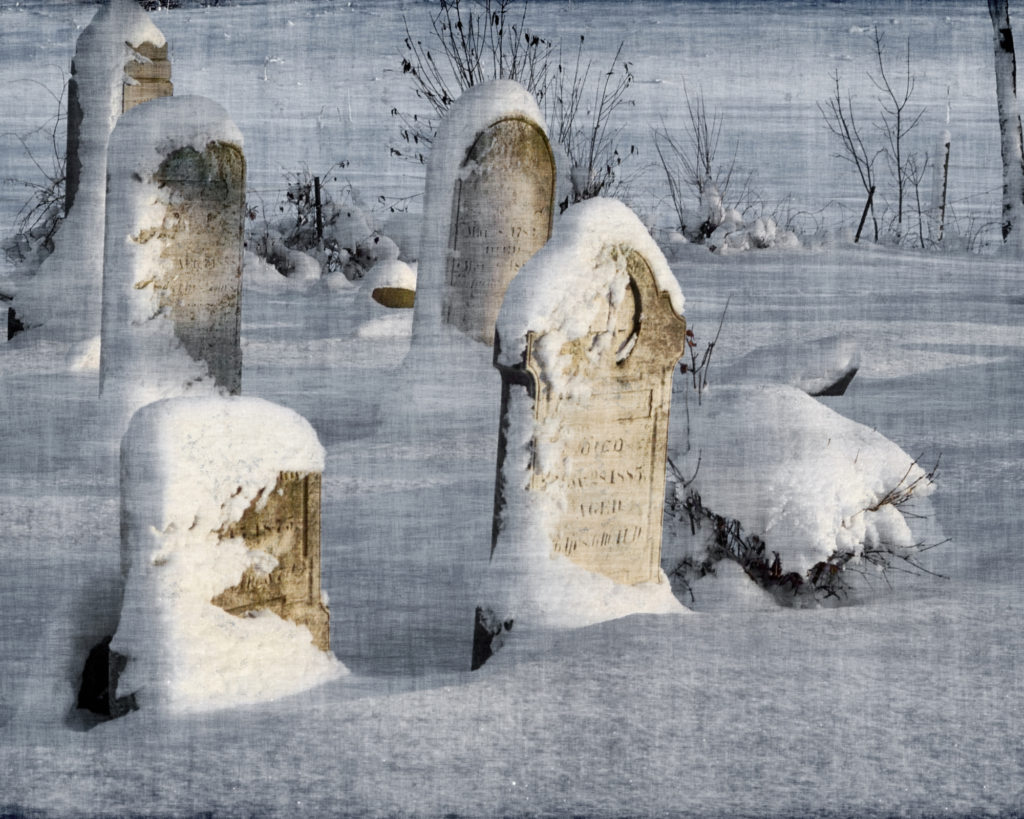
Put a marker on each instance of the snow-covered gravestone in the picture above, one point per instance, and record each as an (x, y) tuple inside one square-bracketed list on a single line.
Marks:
[(120, 62), (490, 197), (65, 294), (586, 343), (173, 253), (220, 539)]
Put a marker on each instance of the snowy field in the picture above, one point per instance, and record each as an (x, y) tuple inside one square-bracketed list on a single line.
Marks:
[(906, 702)]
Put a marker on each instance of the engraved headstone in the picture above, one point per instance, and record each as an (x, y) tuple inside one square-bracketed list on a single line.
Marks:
[(285, 524), (173, 260), (489, 206), (587, 342), (501, 216), (220, 549)]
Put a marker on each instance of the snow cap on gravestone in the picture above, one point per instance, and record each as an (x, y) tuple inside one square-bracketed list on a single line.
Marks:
[(173, 257), (488, 207)]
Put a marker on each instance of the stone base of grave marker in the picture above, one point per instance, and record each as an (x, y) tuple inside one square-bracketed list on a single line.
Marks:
[(102, 670), (287, 527)]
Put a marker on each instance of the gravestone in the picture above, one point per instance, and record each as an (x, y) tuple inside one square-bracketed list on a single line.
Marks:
[(220, 552), (586, 345), (150, 73), (120, 49), (288, 528), (173, 252), (202, 254), (501, 215), (488, 208)]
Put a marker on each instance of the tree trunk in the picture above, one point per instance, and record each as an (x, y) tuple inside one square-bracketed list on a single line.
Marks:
[(1009, 123)]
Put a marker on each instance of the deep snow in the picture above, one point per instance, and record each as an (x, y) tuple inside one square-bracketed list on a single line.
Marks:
[(906, 703)]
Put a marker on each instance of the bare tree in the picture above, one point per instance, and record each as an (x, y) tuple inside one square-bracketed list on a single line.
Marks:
[(1009, 122), (841, 120), (897, 123)]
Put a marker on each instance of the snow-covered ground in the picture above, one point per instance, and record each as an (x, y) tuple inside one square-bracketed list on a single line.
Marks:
[(904, 703)]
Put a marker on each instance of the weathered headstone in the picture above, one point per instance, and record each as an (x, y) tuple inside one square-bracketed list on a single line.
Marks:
[(490, 201), (587, 342), (220, 539), (120, 49), (501, 216), (173, 259), (288, 528), (150, 73)]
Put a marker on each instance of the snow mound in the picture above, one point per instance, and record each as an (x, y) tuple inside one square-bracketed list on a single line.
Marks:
[(810, 366), (803, 478), (190, 467)]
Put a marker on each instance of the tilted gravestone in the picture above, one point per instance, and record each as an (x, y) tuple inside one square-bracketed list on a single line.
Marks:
[(490, 202), (587, 342), (173, 252), (501, 216), (220, 549)]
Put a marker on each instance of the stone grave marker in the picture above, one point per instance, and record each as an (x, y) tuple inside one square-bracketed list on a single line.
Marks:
[(220, 553), (501, 215), (288, 528), (150, 73), (202, 281), (587, 342), (489, 206), (119, 49), (173, 251)]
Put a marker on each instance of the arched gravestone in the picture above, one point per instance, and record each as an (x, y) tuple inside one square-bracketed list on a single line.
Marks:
[(202, 235), (502, 212), (288, 528), (592, 390), (172, 273), (120, 50)]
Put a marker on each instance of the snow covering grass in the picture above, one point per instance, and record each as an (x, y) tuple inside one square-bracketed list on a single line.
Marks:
[(905, 704)]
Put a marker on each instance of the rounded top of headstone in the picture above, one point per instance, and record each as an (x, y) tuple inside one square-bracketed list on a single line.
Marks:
[(568, 285), (205, 449), (147, 134), (471, 114), (392, 273)]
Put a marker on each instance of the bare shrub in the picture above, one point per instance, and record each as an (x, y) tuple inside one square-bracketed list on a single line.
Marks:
[(43, 212)]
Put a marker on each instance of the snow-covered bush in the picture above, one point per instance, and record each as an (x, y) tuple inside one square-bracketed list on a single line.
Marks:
[(690, 163), (481, 40), (810, 504)]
